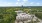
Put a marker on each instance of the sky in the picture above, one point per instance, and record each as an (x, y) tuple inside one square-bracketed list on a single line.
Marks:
[(20, 2)]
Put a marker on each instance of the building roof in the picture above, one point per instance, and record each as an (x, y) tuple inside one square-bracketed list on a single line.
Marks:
[(18, 11)]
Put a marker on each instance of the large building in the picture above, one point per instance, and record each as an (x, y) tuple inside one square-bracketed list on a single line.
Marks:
[(22, 16)]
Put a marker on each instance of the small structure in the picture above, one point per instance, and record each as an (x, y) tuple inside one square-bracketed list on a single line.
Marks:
[(19, 11)]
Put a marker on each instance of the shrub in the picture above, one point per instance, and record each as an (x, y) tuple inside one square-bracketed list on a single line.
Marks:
[(39, 15)]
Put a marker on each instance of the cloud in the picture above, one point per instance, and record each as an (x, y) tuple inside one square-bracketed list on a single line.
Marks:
[(25, 0), (6, 4), (38, 3), (18, 0), (9, 3), (32, 3), (17, 3), (20, 3)]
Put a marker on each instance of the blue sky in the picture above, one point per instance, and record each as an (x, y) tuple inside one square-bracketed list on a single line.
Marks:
[(20, 2)]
